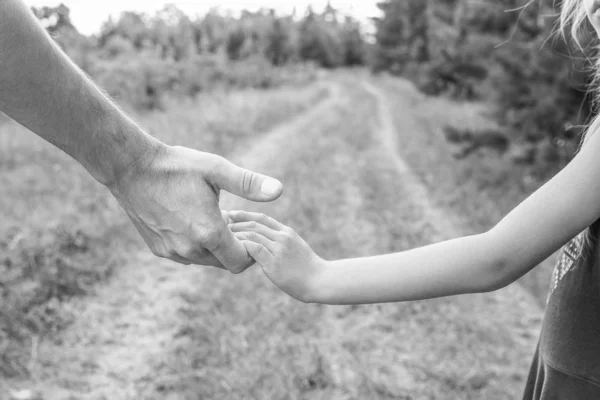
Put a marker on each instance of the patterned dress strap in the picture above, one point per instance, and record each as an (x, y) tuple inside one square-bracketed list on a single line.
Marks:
[(570, 253)]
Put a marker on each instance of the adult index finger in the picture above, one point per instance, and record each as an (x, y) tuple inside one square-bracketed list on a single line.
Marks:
[(230, 251)]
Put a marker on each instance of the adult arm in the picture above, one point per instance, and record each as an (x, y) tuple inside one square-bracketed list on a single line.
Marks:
[(170, 193)]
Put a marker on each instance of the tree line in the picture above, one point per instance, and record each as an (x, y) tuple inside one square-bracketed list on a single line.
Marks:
[(505, 52), (328, 38)]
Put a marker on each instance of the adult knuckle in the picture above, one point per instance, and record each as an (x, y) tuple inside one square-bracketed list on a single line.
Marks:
[(216, 167), (247, 181), (188, 251), (210, 238)]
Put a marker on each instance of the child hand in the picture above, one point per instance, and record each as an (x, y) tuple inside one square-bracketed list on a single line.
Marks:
[(286, 259)]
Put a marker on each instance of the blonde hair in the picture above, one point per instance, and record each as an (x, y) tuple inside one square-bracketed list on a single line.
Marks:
[(572, 19), (573, 22)]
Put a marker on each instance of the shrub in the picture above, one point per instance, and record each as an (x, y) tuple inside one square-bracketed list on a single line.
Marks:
[(139, 81), (37, 274)]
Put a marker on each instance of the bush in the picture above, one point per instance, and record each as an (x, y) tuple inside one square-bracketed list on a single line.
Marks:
[(509, 59), (37, 274), (456, 75), (140, 81), (144, 82)]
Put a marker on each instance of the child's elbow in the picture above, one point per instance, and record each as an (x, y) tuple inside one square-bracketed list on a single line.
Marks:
[(502, 277), (491, 284), (499, 272)]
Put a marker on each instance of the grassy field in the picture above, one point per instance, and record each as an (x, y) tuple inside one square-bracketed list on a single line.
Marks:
[(237, 337)]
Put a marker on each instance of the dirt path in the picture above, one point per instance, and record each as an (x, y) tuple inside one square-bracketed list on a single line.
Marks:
[(272, 148), (389, 140)]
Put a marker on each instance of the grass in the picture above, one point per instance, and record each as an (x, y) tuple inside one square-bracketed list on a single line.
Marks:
[(54, 241), (223, 121), (62, 233)]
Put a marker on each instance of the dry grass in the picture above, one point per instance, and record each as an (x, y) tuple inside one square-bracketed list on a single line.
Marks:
[(53, 240), (225, 121)]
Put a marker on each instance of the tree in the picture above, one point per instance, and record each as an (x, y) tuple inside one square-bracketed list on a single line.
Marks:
[(418, 36), (392, 51), (235, 43), (54, 18), (352, 42), (277, 49), (318, 42)]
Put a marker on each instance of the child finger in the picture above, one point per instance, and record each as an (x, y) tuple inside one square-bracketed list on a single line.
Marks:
[(246, 216), (253, 226), (225, 215), (257, 238), (258, 252)]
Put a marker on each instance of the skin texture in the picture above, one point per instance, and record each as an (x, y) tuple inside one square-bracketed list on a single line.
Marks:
[(531, 232), (170, 193)]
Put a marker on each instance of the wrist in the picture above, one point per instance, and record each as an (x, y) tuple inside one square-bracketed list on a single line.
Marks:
[(320, 287), (121, 150)]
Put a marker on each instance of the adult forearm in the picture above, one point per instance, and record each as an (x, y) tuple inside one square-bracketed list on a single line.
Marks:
[(464, 265), (42, 89)]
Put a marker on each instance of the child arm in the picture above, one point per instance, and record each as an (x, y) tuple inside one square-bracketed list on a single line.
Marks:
[(537, 227)]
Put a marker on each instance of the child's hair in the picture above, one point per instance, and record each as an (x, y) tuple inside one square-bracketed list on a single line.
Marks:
[(573, 22)]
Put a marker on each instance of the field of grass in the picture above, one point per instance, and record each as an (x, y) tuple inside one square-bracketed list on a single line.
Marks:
[(238, 337)]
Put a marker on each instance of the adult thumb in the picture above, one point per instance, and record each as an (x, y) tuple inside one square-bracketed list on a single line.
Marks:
[(247, 184)]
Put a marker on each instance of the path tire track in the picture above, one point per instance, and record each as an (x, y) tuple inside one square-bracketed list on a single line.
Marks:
[(389, 140)]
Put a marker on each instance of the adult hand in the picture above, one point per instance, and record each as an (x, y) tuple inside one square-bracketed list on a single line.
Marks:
[(171, 195)]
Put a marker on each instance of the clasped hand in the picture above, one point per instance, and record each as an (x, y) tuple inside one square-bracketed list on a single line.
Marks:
[(171, 195), (285, 258)]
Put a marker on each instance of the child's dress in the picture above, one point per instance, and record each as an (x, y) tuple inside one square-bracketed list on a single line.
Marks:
[(566, 365)]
